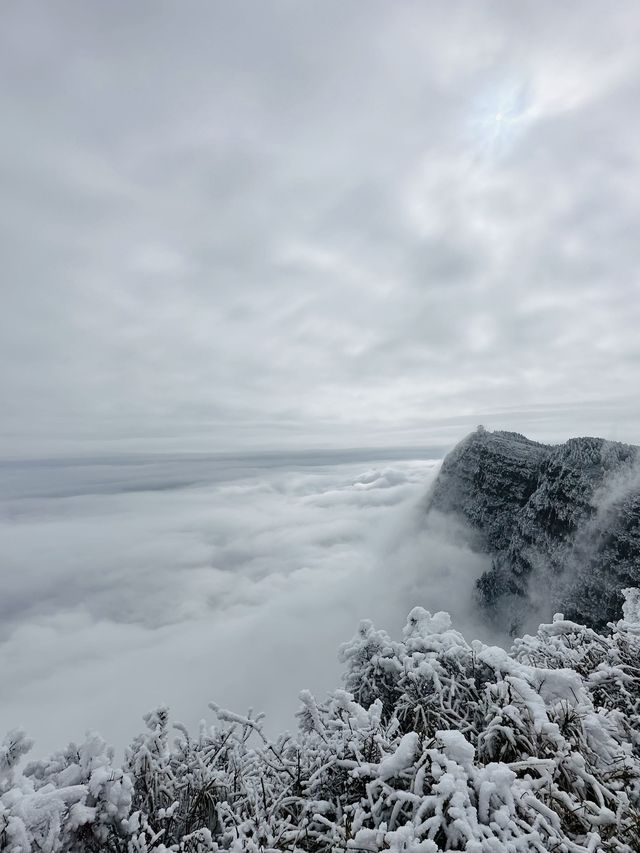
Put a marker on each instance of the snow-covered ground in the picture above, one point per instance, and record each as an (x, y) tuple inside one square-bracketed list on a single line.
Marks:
[(134, 581)]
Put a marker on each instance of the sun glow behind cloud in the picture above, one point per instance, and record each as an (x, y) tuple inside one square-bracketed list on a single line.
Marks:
[(498, 118)]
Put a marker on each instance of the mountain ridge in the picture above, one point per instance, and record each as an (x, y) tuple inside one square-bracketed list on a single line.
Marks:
[(561, 522)]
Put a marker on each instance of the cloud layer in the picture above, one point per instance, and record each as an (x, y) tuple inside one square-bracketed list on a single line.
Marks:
[(238, 589), (232, 225)]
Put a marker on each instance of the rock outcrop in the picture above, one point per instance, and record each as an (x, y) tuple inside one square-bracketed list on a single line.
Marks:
[(562, 523)]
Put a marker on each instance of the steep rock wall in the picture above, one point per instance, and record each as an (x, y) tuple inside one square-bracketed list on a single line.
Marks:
[(561, 522)]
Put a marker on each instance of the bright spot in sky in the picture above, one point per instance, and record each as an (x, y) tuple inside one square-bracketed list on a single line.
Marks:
[(498, 117)]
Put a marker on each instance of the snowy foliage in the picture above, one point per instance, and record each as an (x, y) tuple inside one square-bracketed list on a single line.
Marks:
[(435, 744)]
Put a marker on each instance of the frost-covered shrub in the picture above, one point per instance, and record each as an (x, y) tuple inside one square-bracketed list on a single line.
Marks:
[(62, 804), (107, 791), (435, 744), (609, 664)]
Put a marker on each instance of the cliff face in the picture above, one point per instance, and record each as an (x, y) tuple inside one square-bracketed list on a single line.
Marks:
[(562, 523)]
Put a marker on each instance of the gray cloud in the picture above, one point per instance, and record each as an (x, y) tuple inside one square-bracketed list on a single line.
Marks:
[(229, 226)]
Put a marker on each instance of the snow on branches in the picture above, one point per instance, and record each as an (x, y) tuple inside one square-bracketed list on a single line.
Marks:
[(434, 744)]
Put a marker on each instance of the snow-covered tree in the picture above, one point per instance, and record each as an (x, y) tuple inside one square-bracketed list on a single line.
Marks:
[(433, 744)]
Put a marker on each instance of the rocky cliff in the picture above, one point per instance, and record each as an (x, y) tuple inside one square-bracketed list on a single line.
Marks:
[(561, 522)]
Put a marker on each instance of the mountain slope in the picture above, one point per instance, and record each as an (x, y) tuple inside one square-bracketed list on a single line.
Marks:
[(561, 522)]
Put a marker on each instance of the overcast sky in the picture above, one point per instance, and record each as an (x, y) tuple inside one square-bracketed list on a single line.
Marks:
[(333, 223)]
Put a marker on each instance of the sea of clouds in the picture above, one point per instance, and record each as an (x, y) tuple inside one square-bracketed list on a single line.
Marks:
[(130, 582)]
